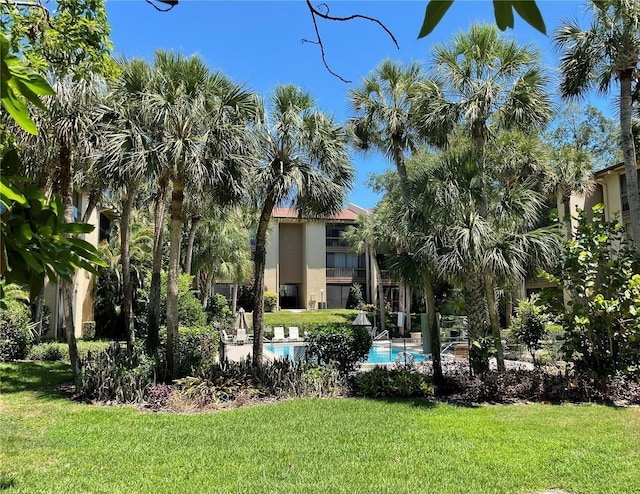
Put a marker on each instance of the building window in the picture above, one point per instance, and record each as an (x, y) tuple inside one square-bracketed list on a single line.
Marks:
[(105, 228), (334, 234), (624, 197)]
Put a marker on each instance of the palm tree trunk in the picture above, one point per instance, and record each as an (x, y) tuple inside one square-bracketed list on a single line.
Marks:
[(434, 331), (175, 236), (153, 316), (234, 298), (629, 153), (195, 220), (492, 307), (66, 191), (125, 260), (477, 316), (398, 158), (566, 203), (258, 284), (378, 277), (94, 197)]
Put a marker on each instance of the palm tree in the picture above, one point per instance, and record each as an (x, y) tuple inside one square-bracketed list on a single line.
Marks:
[(222, 251), (306, 165), (364, 238), (383, 114), (499, 245), (126, 157), (205, 147), (594, 58), (570, 171), (70, 122), (483, 83)]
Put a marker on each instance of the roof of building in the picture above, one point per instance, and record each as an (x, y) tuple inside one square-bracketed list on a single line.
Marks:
[(610, 169), (348, 214)]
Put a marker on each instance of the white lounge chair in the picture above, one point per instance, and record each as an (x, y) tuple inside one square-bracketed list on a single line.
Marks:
[(278, 333), (227, 338), (241, 337), (294, 334)]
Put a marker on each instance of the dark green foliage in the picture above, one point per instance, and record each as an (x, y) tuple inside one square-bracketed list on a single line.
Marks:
[(218, 310), (54, 350), (14, 330), (600, 271), (530, 324), (344, 346), (245, 298), (190, 311), (270, 301), (198, 347), (117, 374), (381, 382)]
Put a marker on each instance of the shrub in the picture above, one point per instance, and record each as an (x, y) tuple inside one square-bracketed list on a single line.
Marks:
[(117, 374), (530, 325), (344, 346), (198, 346), (190, 311), (89, 330), (14, 330), (387, 383), (49, 351), (600, 271), (218, 310), (270, 301)]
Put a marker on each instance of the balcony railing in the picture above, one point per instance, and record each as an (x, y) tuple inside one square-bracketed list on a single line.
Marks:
[(336, 242), (352, 273)]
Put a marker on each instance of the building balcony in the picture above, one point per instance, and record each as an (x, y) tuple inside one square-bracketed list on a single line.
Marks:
[(345, 275)]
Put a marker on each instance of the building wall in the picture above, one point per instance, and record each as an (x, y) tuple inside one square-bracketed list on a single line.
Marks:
[(271, 267), (315, 270), (84, 286), (291, 254)]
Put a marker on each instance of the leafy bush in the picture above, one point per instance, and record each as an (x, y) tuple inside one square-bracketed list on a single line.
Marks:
[(344, 346), (119, 375), (198, 346), (190, 310), (381, 382), (14, 330), (270, 301), (600, 271), (218, 310), (49, 351), (537, 385), (55, 350), (530, 325)]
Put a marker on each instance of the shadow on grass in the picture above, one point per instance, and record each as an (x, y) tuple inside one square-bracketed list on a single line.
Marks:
[(414, 402), (6, 482), (40, 377)]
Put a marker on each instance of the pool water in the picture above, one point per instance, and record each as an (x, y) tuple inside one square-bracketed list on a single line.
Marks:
[(378, 354)]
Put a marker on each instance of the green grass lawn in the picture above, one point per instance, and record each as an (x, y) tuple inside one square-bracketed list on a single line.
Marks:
[(346, 445), (309, 317)]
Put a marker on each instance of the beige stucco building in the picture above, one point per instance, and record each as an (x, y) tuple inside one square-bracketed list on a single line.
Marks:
[(610, 190), (310, 265)]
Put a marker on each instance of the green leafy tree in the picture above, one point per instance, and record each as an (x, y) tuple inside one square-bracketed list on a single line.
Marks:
[(306, 165), (593, 58), (600, 272)]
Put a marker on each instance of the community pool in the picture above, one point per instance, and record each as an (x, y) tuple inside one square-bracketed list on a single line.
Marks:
[(378, 354)]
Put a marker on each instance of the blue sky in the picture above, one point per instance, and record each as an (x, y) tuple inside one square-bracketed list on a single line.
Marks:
[(259, 43)]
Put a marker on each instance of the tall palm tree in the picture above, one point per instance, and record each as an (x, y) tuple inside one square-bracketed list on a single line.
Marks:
[(306, 165), (70, 122), (205, 146), (127, 159), (499, 245), (485, 83), (383, 114), (593, 58)]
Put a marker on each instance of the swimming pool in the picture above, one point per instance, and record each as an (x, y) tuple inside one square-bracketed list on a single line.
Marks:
[(378, 354)]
